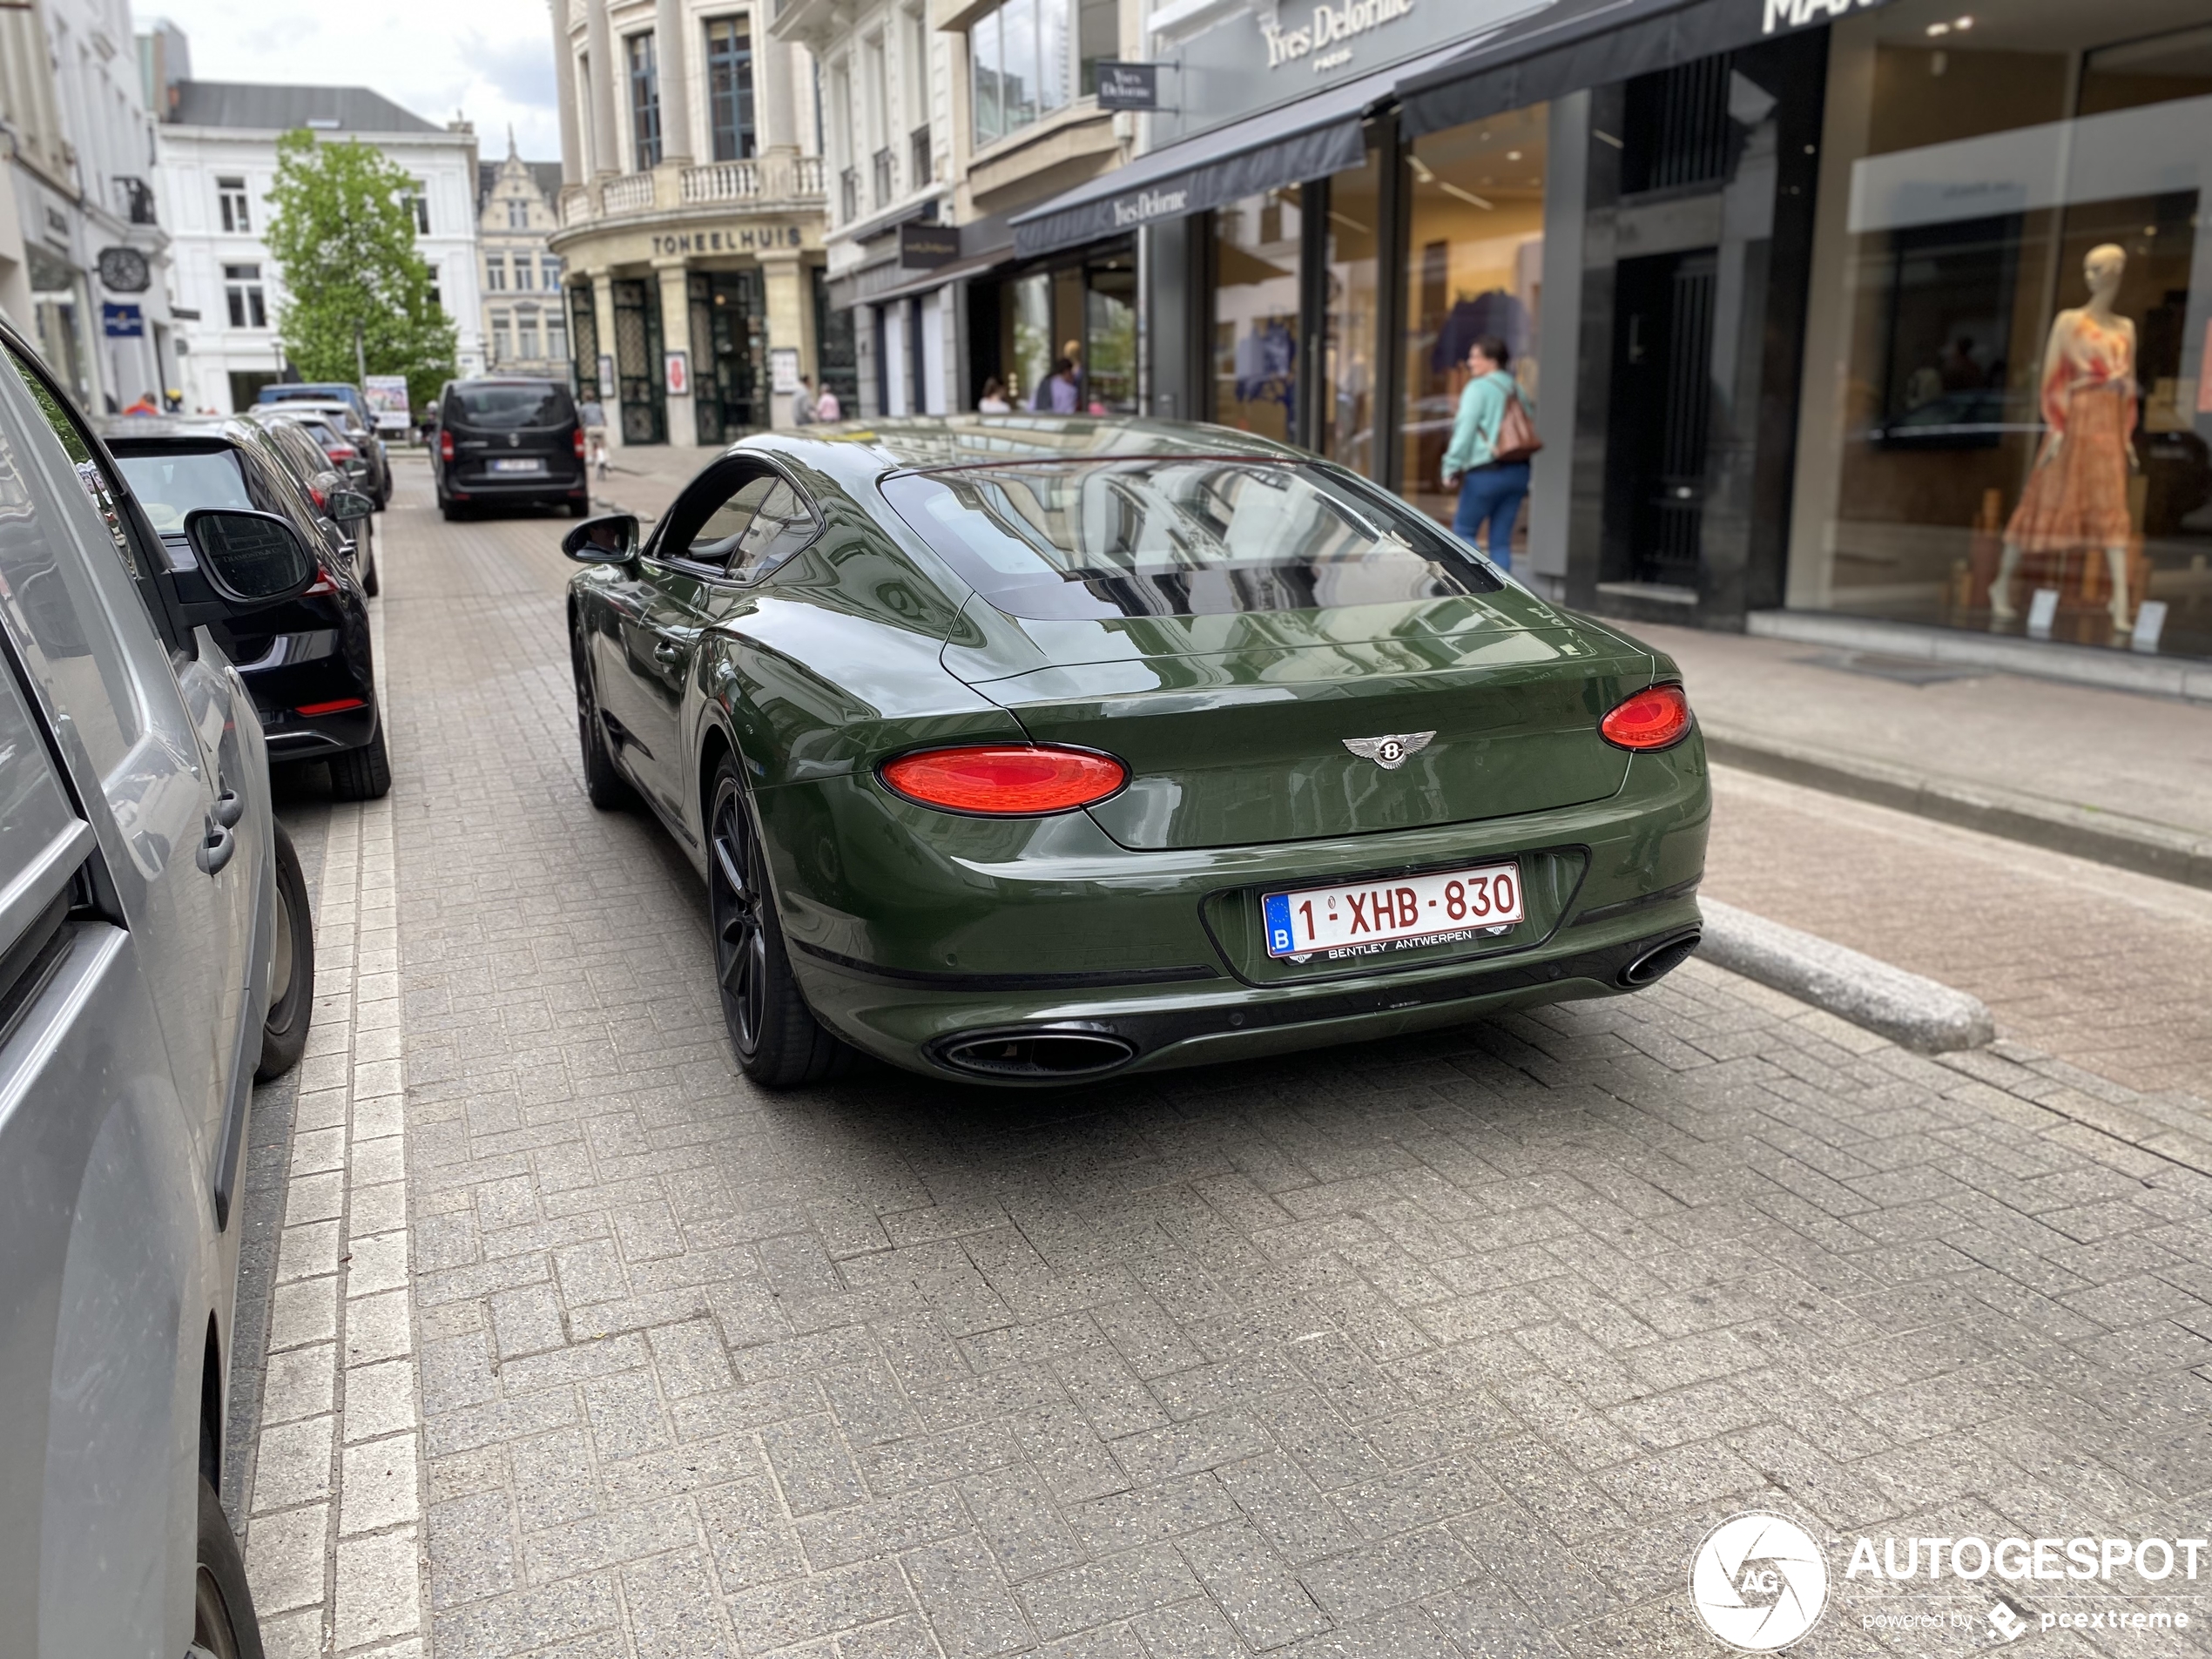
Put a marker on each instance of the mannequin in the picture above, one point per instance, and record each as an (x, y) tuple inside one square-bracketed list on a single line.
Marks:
[(2077, 495)]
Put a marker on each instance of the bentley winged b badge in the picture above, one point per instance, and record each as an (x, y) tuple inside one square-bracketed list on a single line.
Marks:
[(1390, 753)]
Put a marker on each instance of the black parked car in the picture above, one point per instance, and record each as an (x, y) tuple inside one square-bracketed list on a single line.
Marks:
[(353, 449), (299, 446), (307, 661), (507, 441)]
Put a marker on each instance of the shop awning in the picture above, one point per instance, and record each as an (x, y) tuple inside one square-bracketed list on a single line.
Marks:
[(1579, 43), (1287, 144)]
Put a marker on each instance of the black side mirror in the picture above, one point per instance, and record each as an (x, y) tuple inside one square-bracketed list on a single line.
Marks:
[(250, 561), (609, 540), (347, 506)]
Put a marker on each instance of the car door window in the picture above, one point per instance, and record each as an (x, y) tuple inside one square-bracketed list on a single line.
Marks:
[(778, 529), (716, 540)]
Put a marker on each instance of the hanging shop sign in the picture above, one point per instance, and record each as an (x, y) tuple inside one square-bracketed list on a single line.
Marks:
[(924, 247), (122, 321), (1128, 86)]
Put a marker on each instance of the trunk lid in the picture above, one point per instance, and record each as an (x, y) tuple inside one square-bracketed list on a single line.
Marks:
[(1235, 728)]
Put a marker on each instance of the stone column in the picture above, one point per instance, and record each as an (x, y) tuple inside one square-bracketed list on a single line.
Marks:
[(675, 335), (574, 164), (602, 309), (783, 273), (606, 138), (672, 47), (775, 93)]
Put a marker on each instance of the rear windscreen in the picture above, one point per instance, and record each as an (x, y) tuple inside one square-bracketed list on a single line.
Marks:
[(1178, 537), (502, 406), (177, 481)]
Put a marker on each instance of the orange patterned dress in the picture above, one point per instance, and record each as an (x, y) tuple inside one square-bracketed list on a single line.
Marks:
[(2079, 498)]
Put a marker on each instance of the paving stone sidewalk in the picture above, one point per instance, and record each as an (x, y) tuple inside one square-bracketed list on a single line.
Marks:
[(1453, 1347)]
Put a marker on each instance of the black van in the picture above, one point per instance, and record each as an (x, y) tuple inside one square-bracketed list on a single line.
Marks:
[(508, 441)]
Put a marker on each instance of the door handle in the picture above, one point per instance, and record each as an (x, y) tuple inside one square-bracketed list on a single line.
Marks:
[(230, 806), (669, 651), (215, 851)]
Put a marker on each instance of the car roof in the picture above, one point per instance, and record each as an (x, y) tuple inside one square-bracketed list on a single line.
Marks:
[(223, 428), (506, 380), (856, 452)]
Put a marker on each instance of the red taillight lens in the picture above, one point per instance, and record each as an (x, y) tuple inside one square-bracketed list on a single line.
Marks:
[(579, 443), (1653, 718), (321, 499), (343, 452), (337, 705), (324, 582), (1010, 780), (445, 446)]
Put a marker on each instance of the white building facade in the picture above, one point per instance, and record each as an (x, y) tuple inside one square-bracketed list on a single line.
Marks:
[(691, 216), (218, 161), (83, 263), (526, 322)]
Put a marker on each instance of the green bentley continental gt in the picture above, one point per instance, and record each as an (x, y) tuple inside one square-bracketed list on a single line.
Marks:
[(1025, 749)]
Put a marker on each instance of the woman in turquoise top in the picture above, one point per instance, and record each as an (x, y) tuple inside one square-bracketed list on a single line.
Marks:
[(1489, 490)]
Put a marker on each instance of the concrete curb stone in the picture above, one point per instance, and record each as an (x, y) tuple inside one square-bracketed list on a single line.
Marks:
[(1916, 1013)]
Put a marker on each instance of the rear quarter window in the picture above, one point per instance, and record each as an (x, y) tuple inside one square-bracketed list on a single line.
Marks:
[(501, 409), (170, 483)]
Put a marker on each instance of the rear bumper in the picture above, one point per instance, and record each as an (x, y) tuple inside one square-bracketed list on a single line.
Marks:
[(551, 486), (1065, 932), (311, 737)]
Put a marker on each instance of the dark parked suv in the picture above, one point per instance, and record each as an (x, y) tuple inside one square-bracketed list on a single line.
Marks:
[(307, 661), (509, 442)]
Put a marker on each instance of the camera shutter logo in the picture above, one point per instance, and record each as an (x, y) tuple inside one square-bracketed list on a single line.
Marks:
[(1758, 1582)]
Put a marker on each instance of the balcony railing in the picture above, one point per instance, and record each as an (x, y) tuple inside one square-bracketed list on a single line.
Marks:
[(576, 209), (886, 172), (723, 181), (630, 193), (810, 175)]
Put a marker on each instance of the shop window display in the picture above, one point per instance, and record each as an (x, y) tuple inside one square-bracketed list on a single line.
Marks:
[(2012, 435), (1256, 365), (1347, 412), (1474, 267)]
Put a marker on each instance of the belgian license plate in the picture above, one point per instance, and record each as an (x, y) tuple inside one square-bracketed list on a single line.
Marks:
[(528, 464), (1365, 917)]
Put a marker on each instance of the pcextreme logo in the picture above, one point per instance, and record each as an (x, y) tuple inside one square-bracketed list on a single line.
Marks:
[(1758, 1582)]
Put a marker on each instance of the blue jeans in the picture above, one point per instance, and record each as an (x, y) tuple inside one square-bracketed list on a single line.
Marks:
[(1492, 493)]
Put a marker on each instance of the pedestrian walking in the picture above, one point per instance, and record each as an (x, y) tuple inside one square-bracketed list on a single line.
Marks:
[(827, 407), (1055, 394), (594, 416), (1487, 461), (803, 408), (993, 399)]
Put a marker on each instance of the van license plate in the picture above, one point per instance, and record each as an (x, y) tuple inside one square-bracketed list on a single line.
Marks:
[(530, 464), (1402, 910)]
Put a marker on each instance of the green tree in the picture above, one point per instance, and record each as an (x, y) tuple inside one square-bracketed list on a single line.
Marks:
[(341, 227)]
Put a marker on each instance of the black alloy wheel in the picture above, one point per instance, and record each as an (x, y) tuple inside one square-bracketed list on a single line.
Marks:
[(292, 968), (779, 1043), (603, 784), (224, 1625)]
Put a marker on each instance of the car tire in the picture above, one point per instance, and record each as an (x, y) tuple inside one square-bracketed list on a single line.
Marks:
[(779, 1043), (579, 510), (603, 784), (449, 510), (371, 582), (292, 970), (364, 773), (223, 1620)]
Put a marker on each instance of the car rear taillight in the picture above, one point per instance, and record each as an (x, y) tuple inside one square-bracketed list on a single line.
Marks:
[(343, 452), (324, 582), (1005, 779), (579, 443), (445, 445), (1654, 718), (316, 494)]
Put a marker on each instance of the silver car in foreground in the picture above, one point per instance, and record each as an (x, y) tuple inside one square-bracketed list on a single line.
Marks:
[(154, 958)]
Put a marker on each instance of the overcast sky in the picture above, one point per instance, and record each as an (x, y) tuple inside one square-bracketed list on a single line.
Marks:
[(490, 60)]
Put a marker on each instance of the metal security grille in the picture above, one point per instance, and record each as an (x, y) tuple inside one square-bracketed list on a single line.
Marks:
[(644, 414), (1677, 126), (729, 354), (1671, 532)]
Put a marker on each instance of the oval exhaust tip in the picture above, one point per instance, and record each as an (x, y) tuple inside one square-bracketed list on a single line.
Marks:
[(1659, 961), (1037, 1055)]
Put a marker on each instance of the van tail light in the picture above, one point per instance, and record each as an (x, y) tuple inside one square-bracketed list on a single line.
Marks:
[(445, 444), (1656, 718), (324, 582), (579, 443), (1005, 779)]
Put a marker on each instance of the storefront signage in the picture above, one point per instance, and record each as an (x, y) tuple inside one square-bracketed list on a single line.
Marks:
[(121, 321), (1149, 204), (607, 377), (783, 370), (1128, 86), (676, 369), (924, 247), (1331, 24), (739, 239), (1783, 16)]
